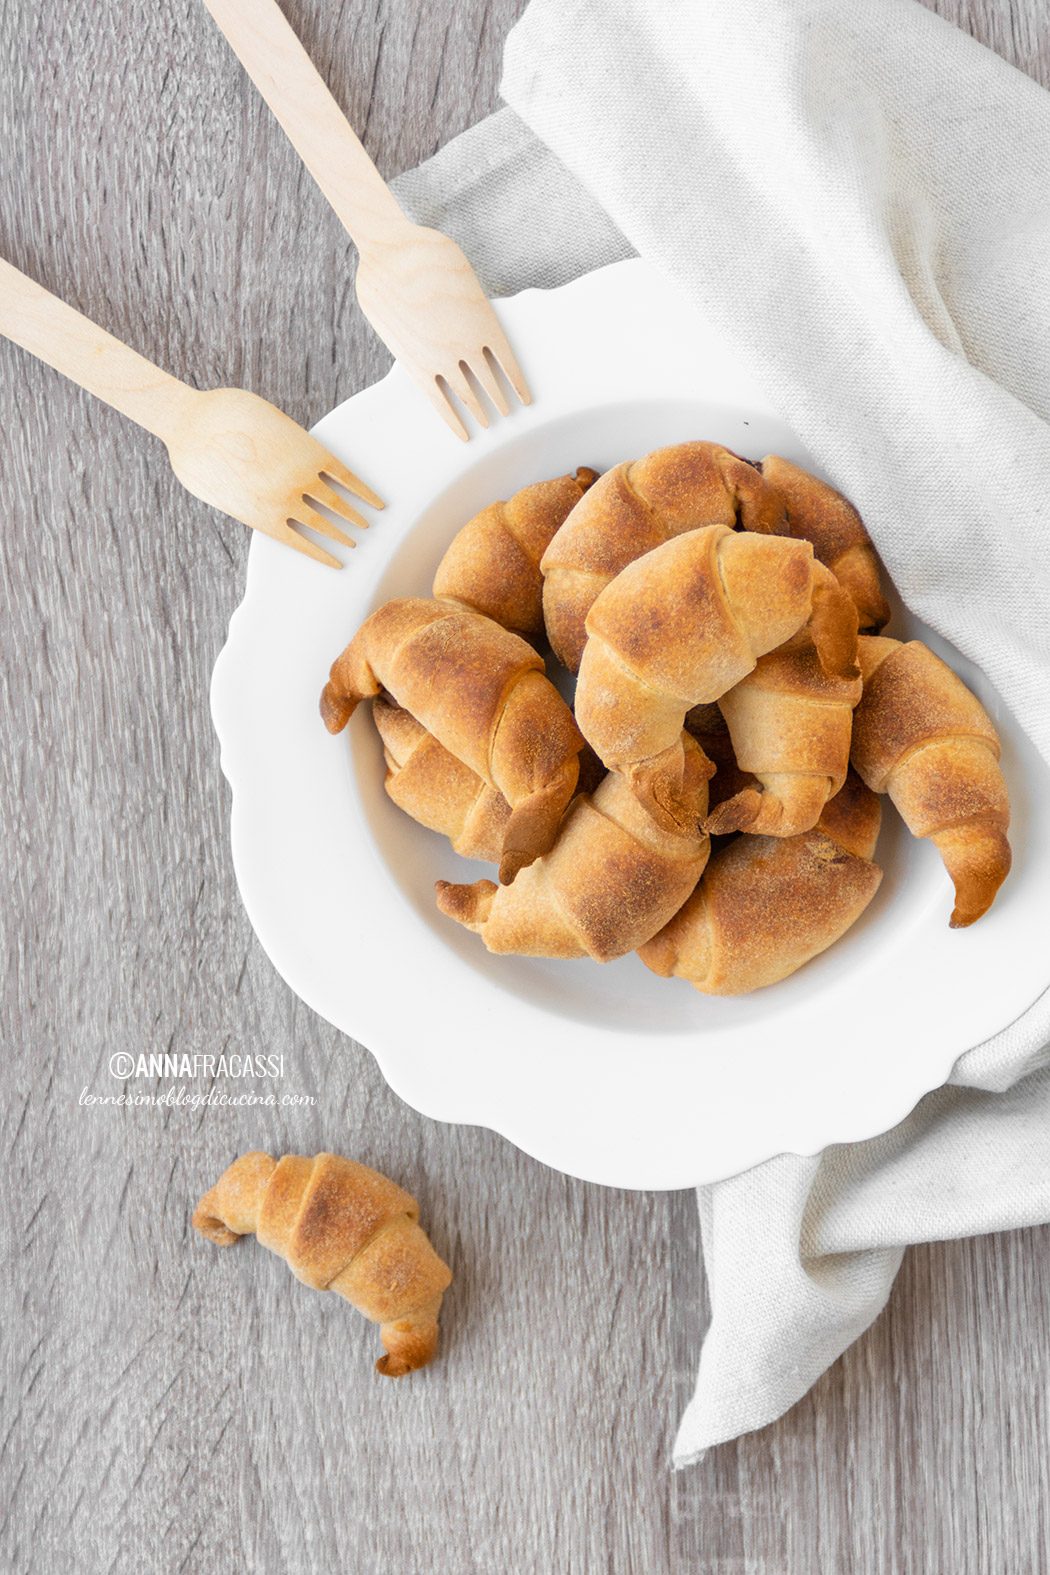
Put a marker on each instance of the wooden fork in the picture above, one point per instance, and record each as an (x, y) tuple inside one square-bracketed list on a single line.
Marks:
[(227, 446), (414, 284)]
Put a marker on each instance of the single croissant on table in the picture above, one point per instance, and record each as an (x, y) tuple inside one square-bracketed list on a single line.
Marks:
[(922, 737), (818, 514), (767, 905), (340, 1227), (790, 724), (635, 507), (482, 692), (492, 564), (611, 880), (680, 626)]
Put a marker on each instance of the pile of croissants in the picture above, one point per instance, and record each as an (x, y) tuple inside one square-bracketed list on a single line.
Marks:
[(723, 619)]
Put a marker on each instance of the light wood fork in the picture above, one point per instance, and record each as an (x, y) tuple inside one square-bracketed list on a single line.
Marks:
[(414, 284), (227, 446)]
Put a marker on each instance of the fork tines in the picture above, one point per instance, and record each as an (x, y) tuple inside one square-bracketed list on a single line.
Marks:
[(482, 370), (321, 494)]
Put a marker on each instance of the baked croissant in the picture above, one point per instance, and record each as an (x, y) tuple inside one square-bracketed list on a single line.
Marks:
[(611, 880), (819, 514), (443, 794), (790, 724), (683, 624), (766, 905), (492, 564), (638, 506), (340, 1227), (922, 737), (482, 692), (436, 789)]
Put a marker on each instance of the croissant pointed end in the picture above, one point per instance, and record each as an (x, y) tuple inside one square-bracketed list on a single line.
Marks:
[(659, 784), (739, 813), (877, 615), (978, 860), (513, 860), (409, 1346), (337, 707), (468, 905), (211, 1226), (392, 1366), (230, 1208), (833, 626), (533, 824)]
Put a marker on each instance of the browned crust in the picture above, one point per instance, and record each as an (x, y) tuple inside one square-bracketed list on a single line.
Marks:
[(492, 564), (911, 698), (635, 507), (344, 1227), (230, 1209), (922, 736), (817, 513), (678, 628), (765, 906), (613, 877), (853, 817), (438, 791), (480, 690), (790, 725)]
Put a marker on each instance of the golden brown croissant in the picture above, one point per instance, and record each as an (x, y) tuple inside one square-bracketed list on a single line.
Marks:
[(340, 1227), (922, 737), (790, 724), (443, 794), (482, 692), (436, 789), (684, 623), (636, 507), (613, 877), (493, 563), (766, 905), (819, 514)]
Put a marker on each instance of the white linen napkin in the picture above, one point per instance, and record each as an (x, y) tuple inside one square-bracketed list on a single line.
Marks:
[(855, 193)]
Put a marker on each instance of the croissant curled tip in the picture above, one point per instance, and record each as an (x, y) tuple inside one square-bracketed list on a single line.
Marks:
[(511, 862), (878, 615), (533, 824), (337, 707), (393, 1366), (978, 860), (738, 813), (703, 765), (468, 905), (833, 626), (211, 1226), (585, 477), (659, 784), (410, 1342)]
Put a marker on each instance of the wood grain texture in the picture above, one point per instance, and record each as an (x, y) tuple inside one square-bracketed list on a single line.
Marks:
[(166, 1407)]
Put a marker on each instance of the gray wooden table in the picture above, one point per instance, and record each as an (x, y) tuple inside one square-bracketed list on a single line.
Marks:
[(166, 1408)]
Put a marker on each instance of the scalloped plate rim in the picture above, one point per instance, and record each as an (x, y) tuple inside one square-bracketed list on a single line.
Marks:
[(810, 1132)]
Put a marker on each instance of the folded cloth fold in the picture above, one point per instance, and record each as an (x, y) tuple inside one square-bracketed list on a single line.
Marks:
[(853, 192)]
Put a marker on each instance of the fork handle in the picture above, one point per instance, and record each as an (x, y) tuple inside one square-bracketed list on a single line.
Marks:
[(288, 80), (86, 354)]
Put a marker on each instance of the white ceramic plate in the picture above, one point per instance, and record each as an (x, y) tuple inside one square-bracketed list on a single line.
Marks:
[(606, 1072)]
